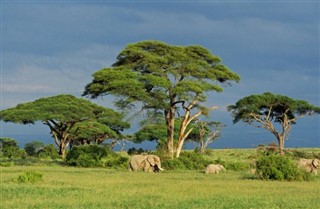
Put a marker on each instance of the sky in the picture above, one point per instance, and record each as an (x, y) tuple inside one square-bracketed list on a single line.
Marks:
[(53, 47)]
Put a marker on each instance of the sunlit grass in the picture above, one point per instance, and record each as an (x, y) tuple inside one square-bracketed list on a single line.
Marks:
[(65, 187)]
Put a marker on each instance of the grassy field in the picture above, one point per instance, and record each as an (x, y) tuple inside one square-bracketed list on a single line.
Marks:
[(67, 187)]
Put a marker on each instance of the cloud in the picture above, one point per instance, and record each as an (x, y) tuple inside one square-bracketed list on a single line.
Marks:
[(53, 48)]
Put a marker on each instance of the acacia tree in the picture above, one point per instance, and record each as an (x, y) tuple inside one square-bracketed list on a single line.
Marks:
[(158, 76), (205, 133), (267, 110), (60, 113), (91, 132)]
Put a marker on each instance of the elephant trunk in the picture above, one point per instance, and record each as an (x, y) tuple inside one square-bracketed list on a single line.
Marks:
[(158, 168)]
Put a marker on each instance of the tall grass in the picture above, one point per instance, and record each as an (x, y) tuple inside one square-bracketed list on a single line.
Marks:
[(65, 187)]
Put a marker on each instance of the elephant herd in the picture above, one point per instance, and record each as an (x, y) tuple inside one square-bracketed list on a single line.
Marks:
[(152, 163)]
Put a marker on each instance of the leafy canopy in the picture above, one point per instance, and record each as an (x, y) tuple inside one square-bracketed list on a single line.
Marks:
[(62, 108), (158, 75), (274, 107), (62, 113)]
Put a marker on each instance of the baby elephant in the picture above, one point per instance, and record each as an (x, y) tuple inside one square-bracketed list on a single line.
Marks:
[(214, 168), (309, 165)]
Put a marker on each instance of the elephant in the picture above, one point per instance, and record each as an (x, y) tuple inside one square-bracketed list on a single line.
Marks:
[(214, 168), (309, 165), (147, 163)]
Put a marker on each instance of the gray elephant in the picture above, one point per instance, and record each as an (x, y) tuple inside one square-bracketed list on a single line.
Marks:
[(309, 165), (214, 168), (147, 163)]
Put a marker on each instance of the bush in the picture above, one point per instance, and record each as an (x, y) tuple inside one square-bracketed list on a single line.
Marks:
[(30, 177), (173, 164), (6, 164), (9, 148), (49, 151), (186, 161), (116, 162), (237, 166), (234, 166), (278, 167), (134, 151), (95, 156), (33, 148)]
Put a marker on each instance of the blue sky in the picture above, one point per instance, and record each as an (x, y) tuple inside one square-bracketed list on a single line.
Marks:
[(53, 47)]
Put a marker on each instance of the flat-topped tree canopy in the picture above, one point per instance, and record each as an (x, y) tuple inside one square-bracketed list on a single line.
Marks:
[(155, 75), (61, 113), (264, 110), (152, 71)]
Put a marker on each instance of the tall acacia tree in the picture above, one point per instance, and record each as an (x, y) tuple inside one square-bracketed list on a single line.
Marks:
[(60, 113), (267, 110), (164, 78)]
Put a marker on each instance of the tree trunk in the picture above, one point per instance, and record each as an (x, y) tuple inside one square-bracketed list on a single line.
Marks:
[(280, 138), (169, 115), (181, 140), (62, 150)]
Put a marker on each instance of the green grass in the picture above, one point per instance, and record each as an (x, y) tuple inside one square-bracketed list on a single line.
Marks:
[(68, 187)]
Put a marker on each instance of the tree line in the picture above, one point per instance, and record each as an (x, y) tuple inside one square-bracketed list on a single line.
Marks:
[(169, 85)]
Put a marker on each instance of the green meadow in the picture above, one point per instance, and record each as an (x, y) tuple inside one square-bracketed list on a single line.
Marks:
[(71, 187)]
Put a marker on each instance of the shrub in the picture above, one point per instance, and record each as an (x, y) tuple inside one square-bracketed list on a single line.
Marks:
[(134, 151), (6, 164), (116, 161), (187, 160), (49, 151), (9, 148), (95, 156), (30, 177), (173, 164), (278, 167), (33, 148), (237, 166)]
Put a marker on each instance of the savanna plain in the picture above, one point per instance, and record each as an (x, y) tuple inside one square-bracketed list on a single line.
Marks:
[(72, 187)]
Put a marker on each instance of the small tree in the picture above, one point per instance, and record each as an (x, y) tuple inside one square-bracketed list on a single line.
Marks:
[(206, 133), (91, 132), (33, 148), (60, 113), (267, 110), (9, 148)]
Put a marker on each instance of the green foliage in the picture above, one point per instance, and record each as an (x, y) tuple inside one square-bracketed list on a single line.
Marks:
[(116, 161), (278, 167), (33, 148), (280, 106), (303, 154), (234, 165), (91, 132), (186, 161), (134, 151), (151, 132), (49, 151), (95, 156), (157, 76), (62, 112), (142, 73), (86, 155), (7, 164), (30, 177), (9, 148), (265, 110), (173, 164)]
